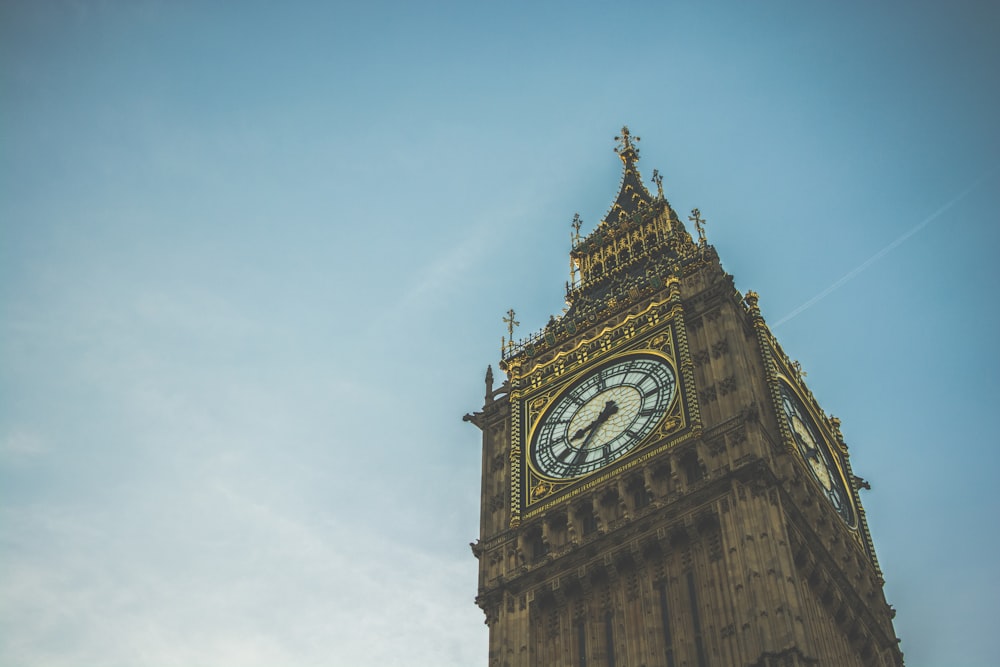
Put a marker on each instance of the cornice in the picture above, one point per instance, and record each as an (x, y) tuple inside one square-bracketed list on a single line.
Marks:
[(657, 524)]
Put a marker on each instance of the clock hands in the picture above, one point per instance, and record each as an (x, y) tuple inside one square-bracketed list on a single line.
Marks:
[(591, 430), (610, 408), (810, 452), (806, 441)]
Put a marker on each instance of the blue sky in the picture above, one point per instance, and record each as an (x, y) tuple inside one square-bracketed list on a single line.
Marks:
[(254, 258)]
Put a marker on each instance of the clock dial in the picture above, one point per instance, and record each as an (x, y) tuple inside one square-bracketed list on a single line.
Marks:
[(816, 454), (603, 416)]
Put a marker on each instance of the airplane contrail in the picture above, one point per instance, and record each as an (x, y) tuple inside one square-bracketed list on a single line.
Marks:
[(884, 251)]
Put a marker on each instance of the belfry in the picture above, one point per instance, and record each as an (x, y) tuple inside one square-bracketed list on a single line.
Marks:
[(659, 485)]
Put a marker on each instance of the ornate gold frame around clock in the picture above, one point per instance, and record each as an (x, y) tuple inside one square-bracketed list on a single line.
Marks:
[(779, 368), (658, 328), (819, 420)]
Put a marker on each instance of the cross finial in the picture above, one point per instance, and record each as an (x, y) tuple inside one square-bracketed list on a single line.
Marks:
[(658, 179), (577, 223), (699, 224), (625, 145), (511, 323)]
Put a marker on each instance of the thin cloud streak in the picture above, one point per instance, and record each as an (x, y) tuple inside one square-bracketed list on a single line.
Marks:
[(840, 282), (433, 281)]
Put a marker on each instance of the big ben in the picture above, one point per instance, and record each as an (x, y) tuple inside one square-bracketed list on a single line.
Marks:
[(659, 485)]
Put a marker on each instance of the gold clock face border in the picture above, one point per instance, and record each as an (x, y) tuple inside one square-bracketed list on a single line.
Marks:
[(826, 441), (537, 492)]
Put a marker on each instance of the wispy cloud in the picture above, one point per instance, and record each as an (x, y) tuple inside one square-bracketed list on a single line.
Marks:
[(224, 578), (21, 443), (433, 282)]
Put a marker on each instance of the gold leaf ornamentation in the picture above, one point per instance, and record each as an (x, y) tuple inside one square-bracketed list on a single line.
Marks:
[(540, 490)]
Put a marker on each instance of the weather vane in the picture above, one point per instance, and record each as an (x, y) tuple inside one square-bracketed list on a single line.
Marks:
[(699, 224)]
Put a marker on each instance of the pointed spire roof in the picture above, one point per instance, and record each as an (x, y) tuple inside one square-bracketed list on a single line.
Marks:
[(632, 194)]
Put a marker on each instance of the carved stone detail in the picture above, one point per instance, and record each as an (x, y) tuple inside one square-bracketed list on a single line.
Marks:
[(720, 348)]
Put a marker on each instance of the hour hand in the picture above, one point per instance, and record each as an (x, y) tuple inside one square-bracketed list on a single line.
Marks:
[(610, 408)]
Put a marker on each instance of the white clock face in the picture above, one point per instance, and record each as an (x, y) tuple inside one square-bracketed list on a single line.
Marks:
[(603, 416), (816, 454)]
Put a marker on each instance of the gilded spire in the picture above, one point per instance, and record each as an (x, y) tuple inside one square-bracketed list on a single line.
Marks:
[(632, 194), (638, 245)]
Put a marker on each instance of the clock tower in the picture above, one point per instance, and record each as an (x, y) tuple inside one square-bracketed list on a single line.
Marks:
[(659, 486)]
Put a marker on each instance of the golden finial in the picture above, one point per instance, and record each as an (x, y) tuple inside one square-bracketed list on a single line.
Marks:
[(511, 323), (577, 223), (625, 145), (699, 224), (658, 179), (574, 241)]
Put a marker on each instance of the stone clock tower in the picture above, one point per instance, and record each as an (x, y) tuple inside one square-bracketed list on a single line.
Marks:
[(659, 486)]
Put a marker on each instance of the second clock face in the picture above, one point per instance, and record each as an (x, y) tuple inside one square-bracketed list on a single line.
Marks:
[(603, 416), (816, 454)]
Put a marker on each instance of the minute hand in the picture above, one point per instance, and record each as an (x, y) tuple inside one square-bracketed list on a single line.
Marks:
[(610, 408)]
